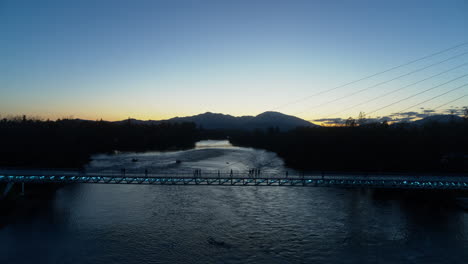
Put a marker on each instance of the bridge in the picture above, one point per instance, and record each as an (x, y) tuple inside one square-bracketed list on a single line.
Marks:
[(233, 178)]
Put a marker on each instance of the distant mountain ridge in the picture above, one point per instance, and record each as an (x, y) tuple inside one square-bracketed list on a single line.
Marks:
[(267, 120), (210, 120), (264, 120), (438, 119)]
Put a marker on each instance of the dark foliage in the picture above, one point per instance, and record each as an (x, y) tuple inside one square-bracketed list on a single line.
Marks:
[(70, 143), (372, 147)]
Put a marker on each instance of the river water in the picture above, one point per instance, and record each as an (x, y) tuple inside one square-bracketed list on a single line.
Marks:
[(99, 223)]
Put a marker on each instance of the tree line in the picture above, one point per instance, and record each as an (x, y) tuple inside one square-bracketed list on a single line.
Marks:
[(355, 146), (69, 143), (373, 147)]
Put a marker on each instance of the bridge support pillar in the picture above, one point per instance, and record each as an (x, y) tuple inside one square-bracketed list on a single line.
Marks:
[(7, 189)]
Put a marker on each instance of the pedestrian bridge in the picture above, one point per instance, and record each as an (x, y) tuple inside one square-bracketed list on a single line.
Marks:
[(232, 178)]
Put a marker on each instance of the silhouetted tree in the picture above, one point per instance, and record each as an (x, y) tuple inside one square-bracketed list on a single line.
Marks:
[(385, 124), (70, 143), (350, 122), (361, 119), (378, 147), (452, 115)]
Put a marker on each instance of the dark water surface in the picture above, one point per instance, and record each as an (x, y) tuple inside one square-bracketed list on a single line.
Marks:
[(90, 223)]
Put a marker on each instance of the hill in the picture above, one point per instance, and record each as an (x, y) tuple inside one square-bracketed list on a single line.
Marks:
[(443, 119), (262, 121)]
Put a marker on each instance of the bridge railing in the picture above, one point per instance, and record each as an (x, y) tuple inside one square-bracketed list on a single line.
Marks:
[(213, 174), (241, 178)]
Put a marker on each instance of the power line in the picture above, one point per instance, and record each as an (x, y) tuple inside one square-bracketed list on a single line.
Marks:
[(411, 96), (384, 82), (430, 99), (370, 76), (399, 89), (451, 101)]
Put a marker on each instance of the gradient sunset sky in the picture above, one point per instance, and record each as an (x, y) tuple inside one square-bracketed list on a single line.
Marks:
[(160, 59)]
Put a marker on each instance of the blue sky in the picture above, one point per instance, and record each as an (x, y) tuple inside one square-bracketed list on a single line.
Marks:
[(159, 59)]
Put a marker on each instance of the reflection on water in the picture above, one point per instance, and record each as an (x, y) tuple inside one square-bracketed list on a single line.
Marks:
[(213, 144), (208, 155), (218, 224)]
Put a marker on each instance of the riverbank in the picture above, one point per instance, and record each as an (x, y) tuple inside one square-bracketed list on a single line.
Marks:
[(68, 143), (376, 147)]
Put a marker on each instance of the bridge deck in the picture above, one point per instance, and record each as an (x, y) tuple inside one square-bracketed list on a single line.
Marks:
[(457, 182)]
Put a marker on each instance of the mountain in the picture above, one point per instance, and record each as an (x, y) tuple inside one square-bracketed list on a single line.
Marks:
[(438, 119), (266, 120), (210, 120), (276, 119), (263, 121), (137, 121)]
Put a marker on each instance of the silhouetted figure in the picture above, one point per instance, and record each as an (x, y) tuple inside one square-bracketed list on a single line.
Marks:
[(146, 172), (123, 171), (197, 173)]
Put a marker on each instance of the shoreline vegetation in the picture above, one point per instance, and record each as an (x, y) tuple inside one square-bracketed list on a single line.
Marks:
[(374, 147), (69, 143), (356, 146)]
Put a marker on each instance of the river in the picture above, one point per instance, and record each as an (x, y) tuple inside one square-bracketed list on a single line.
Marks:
[(99, 223)]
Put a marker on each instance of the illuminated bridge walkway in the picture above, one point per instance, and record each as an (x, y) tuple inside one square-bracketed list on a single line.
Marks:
[(230, 178)]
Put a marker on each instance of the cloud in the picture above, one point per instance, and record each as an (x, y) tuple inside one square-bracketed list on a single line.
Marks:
[(399, 117), (408, 114), (330, 121), (455, 111), (380, 119)]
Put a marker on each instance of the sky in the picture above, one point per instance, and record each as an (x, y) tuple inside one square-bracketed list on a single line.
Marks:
[(160, 59)]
